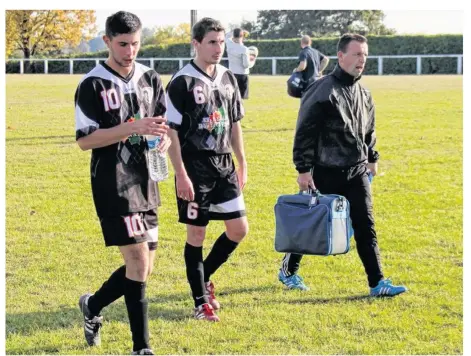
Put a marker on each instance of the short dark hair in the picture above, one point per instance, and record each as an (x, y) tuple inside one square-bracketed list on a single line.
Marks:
[(204, 26), (347, 38), (122, 22), (237, 33)]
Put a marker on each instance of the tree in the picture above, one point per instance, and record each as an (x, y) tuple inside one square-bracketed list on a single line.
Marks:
[(170, 35), (147, 35), (42, 31), (316, 23)]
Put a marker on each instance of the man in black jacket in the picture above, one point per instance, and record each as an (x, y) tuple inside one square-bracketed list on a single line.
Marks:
[(335, 137)]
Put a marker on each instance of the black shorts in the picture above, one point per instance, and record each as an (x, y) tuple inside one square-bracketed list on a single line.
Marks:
[(131, 229), (243, 83), (217, 192)]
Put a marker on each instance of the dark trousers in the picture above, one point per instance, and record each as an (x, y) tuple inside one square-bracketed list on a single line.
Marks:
[(243, 84), (354, 185)]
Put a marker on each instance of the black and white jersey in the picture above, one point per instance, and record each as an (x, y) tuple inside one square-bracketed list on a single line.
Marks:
[(119, 175), (202, 109)]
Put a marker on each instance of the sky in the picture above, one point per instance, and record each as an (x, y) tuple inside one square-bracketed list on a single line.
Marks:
[(404, 21)]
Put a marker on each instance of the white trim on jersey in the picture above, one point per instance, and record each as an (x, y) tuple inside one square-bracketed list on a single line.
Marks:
[(173, 115), (82, 121), (230, 206), (101, 72)]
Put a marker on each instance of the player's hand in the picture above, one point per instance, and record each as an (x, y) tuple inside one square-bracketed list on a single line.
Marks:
[(242, 176), (373, 168), (164, 144), (305, 181), (185, 189), (156, 126)]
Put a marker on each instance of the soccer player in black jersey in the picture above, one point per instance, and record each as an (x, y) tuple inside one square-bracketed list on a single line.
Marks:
[(204, 109), (117, 103)]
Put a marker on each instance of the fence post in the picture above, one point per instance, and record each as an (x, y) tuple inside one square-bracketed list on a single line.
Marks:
[(180, 63), (46, 67), (97, 62), (380, 65), (152, 63), (419, 65), (71, 66), (273, 66), (22, 67), (459, 69)]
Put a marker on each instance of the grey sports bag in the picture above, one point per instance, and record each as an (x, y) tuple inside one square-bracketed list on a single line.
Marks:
[(312, 224)]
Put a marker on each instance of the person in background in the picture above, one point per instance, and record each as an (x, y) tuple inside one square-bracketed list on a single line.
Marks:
[(311, 62), (239, 59)]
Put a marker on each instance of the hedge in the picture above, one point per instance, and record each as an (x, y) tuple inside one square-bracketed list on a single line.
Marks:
[(378, 45)]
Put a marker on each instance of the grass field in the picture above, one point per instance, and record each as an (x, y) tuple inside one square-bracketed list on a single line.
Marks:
[(55, 251)]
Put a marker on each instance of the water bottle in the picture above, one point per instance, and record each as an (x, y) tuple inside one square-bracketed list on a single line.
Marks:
[(157, 162), (370, 177)]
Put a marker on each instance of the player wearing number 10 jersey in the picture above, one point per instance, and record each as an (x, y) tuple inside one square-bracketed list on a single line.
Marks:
[(204, 109), (110, 102)]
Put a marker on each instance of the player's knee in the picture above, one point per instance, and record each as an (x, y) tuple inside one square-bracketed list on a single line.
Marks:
[(238, 233), (138, 268), (196, 235)]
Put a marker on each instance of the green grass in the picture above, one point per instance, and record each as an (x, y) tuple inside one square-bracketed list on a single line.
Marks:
[(55, 251)]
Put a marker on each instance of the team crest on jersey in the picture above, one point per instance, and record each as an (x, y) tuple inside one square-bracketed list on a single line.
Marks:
[(216, 122), (135, 139)]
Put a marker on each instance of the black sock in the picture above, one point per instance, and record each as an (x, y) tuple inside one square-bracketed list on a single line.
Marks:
[(222, 249), (290, 264), (136, 303), (111, 290), (195, 273)]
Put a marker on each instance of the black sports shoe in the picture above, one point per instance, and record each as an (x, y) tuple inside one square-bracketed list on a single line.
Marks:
[(92, 324), (143, 352)]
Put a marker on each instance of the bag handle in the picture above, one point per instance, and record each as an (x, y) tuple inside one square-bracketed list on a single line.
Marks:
[(315, 192)]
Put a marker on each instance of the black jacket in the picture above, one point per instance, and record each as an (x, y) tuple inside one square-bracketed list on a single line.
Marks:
[(336, 124)]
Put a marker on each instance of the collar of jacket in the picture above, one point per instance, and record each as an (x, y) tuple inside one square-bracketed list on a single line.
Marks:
[(344, 77)]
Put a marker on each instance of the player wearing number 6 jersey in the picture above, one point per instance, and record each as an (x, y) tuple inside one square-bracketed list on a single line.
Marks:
[(109, 104), (204, 109)]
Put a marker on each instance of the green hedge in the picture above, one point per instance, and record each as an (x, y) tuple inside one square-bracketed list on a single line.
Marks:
[(378, 45)]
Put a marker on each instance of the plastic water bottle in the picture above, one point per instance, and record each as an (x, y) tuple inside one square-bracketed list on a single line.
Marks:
[(370, 177), (157, 162)]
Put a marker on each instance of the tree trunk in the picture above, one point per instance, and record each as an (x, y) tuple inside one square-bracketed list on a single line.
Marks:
[(29, 65)]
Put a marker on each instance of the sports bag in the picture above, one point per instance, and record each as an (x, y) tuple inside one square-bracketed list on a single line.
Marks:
[(312, 224)]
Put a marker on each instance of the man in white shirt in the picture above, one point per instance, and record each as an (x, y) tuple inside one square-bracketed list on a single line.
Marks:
[(239, 59)]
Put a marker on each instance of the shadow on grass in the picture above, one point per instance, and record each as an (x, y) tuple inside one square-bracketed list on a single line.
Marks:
[(67, 317), (70, 137), (30, 323), (268, 130), (179, 309), (181, 297), (334, 300)]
